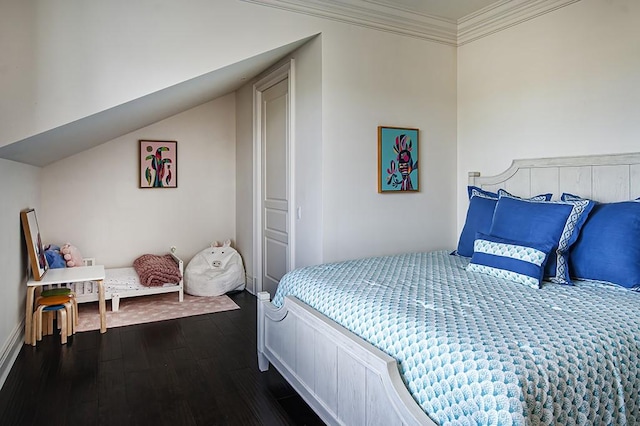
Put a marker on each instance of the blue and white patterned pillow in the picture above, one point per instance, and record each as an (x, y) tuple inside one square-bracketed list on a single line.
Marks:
[(479, 192), (557, 222), (512, 260)]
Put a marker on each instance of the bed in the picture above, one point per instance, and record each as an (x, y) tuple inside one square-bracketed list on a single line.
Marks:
[(473, 348), (121, 283)]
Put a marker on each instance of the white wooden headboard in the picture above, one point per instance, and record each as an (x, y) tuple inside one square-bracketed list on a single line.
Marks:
[(604, 178)]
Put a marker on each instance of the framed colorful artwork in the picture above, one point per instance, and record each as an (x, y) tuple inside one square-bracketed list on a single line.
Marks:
[(34, 243), (398, 154), (158, 164)]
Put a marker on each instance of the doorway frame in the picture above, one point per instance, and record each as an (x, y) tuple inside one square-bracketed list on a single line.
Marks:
[(286, 70)]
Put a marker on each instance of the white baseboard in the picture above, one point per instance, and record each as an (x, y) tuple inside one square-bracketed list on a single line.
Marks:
[(251, 284), (10, 351)]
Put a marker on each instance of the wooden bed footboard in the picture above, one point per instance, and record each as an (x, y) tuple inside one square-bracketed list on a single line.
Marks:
[(344, 379)]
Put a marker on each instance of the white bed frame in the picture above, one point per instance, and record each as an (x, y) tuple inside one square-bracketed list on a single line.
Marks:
[(88, 291), (348, 381)]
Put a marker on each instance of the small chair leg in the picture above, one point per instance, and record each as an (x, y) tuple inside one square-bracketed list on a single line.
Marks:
[(75, 311), (70, 314), (63, 329), (43, 327), (34, 328), (49, 323)]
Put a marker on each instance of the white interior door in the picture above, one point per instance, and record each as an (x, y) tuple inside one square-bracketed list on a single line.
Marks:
[(275, 185)]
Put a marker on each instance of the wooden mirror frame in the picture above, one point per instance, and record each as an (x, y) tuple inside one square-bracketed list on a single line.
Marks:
[(34, 243)]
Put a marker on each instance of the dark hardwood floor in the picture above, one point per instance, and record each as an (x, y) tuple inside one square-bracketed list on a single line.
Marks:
[(198, 370)]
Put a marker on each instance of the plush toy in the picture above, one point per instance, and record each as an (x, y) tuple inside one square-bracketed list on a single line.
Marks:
[(54, 258), (71, 255), (214, 271)]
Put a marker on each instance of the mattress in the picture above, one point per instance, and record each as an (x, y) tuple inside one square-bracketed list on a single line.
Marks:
[(473, 349), (125, 280)]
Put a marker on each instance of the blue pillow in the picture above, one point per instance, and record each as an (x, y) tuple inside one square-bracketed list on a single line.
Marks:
[(521, 262), (608, 248), (556, 222), (54, 257), (479, 216)]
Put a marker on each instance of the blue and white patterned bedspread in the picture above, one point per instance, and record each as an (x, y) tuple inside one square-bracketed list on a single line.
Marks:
[(473, 349)]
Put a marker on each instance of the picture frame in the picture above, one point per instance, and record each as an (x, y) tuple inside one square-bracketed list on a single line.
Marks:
[(158, 165), (39, 265), (398, 155)]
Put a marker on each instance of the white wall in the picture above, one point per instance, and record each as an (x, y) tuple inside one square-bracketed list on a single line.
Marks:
[(372, 78), (566, 83), (349, 81), (93, 201), (17, 68), (19, 189)]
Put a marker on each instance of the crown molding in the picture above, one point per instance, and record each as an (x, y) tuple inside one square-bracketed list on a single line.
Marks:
[(502, 15), (371, 14), (496, 17)]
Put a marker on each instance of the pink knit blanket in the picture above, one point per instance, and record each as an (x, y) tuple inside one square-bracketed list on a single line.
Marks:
[(156, 270)]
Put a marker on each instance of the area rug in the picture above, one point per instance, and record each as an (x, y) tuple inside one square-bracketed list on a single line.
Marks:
[(159, 307)]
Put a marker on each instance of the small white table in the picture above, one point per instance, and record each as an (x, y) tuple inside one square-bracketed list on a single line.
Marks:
[(62, 276)]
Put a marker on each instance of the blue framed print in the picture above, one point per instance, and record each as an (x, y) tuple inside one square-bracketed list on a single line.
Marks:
[(398, 159)]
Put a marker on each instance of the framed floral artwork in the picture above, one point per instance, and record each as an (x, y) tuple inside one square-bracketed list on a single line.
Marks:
[(398, 154), (158, 164)]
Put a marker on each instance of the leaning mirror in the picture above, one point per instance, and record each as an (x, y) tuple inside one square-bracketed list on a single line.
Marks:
[(34, 243)]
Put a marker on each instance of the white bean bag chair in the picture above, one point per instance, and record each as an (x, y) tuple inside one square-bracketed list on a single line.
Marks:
[(214, 271)]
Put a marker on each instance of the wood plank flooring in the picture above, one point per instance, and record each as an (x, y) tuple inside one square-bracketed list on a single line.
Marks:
[(198, 370)]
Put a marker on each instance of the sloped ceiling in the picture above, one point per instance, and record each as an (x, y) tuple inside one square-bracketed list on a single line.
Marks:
[(72, 138)]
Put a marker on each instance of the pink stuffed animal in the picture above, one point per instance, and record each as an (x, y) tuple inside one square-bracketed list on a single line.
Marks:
[(71, 255)]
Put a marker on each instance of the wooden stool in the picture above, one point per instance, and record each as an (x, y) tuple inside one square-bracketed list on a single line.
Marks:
[(59, 291), (65, 309), (71, 308), (63, 291), (36, 330)]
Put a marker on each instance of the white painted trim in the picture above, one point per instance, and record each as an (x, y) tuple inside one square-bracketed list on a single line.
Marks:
[(384, 17), (286, 70), (502, 15), (10, 351), (292, 165), (257, 185), (250, 285), (373, 15)]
